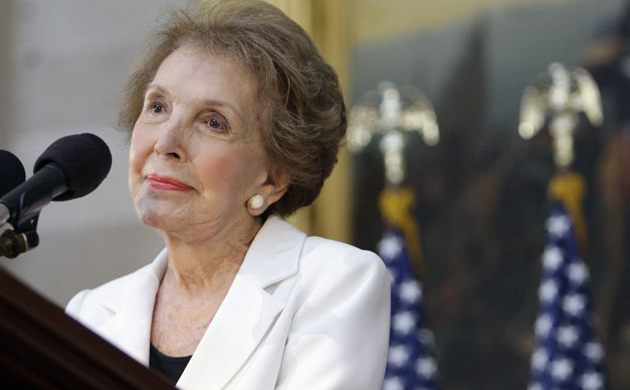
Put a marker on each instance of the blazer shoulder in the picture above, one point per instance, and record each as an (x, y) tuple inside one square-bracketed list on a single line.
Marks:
[(324, 254), (334, 250), (339, 314)]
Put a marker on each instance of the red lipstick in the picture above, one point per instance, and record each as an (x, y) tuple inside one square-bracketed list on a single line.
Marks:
[(166, 183)]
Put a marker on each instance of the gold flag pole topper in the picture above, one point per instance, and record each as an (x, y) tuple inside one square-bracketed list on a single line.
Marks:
[(392, 113), (561, 94)]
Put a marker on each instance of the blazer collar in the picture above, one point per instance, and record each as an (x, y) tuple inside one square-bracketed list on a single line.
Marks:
[(248, 309), (132, 307), (241, 321), (274, 253)]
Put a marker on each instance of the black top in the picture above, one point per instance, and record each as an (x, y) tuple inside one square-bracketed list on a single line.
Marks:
[(169, 366)]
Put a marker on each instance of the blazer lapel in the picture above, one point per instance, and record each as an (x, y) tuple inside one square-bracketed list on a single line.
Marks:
[(130, 327), (234, 333), (248, 310)]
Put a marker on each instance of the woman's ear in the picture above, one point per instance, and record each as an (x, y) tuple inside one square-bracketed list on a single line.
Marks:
[(272, 189)]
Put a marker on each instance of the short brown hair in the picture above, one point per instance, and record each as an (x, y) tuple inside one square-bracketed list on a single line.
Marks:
[(302, 112)]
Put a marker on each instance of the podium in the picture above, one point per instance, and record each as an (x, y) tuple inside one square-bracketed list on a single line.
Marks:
[(43, 348)]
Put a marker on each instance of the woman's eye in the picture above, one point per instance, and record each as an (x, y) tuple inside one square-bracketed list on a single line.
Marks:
[(218, 123), (156, 108)]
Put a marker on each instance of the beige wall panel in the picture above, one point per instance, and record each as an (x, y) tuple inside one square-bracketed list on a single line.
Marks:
[(376, 20)]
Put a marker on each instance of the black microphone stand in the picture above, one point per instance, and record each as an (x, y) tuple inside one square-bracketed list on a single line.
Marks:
[(24, 238), (13, 244)]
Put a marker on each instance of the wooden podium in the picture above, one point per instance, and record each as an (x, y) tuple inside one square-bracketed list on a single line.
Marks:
[(42, 348)]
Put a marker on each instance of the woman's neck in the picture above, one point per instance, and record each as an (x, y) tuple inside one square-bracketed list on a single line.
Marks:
[(206, 265)]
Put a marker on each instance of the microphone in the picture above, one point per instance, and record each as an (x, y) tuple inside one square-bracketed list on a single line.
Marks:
[(72, 167), (12, 172)]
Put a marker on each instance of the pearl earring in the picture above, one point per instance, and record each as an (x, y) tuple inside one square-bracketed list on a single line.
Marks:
[(256, 202)]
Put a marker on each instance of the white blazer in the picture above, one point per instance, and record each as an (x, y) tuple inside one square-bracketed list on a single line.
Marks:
[(302, 313)]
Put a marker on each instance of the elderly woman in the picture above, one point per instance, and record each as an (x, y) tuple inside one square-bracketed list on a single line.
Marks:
[(235, 122)]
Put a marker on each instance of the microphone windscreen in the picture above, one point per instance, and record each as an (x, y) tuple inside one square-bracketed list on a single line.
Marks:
[(85, 160), (12, 172)]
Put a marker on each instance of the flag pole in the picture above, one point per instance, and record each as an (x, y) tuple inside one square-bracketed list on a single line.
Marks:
[(568, 353), (393, 113)]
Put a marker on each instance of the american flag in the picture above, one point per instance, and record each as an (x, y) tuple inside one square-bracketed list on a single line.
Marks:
[(568, 354), (410, 365)]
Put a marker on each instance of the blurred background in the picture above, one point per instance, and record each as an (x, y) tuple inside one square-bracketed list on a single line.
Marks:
[(480, 194)]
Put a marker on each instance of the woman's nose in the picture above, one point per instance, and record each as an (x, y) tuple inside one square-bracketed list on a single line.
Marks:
[(170, 141)]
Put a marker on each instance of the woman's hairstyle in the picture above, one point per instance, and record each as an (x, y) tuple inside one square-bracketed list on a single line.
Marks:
[(301, 109)]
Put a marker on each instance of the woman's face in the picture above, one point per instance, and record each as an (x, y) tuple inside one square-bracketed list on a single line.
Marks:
[(196, 153)]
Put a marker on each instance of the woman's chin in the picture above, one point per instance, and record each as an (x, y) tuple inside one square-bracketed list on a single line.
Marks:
[(152, 220), (156, 218)]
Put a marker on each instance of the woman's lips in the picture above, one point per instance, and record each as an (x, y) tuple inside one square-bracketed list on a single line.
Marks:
[(166, 183)]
